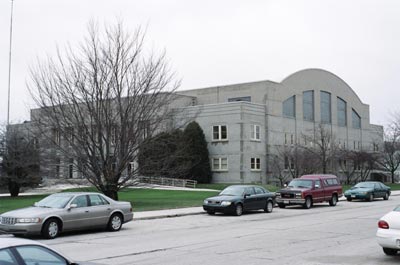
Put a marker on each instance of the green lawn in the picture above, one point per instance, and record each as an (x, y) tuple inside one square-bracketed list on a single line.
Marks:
[(141, 199)]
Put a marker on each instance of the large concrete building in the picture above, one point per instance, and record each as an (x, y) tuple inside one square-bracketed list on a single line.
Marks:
[(244, 122)]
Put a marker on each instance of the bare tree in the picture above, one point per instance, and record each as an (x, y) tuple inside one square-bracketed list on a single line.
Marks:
[(98, 104), (323, 145), (357, 165), (278, 170), (390, 155), (20, 160)]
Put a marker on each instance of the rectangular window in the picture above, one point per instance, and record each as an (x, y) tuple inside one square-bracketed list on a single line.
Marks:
[(289, 107), (326, 113), (220, 164), (56, 136), (248, 99), (308, 105), (291, 139), (356, 120), (255, 132), (220, 133), (341, 112), (255, 163)]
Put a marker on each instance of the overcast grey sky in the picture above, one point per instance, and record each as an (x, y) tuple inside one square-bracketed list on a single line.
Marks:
[(211, 43)]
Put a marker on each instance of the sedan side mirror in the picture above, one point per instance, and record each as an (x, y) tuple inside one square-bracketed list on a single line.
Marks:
[(317, 186), (72, 205), (247, 195)]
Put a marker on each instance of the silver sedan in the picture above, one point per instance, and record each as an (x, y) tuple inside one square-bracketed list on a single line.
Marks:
[(67, 212)]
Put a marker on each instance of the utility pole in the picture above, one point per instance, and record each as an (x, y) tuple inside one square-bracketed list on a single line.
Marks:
[(9, 65)]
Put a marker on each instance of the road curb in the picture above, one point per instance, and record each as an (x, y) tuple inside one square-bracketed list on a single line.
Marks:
[(166, 216)]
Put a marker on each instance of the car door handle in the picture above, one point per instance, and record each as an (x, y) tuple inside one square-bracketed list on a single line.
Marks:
[(86, 211)]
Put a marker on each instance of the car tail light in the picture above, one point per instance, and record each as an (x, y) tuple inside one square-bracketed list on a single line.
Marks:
[(382, 224)]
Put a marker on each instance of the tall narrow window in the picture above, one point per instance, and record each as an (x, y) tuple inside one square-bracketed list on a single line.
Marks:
[(326, 113), (308, 105), (356, 120), (255, 132), (289, 107), (341, 112), (220, 133), (71, 168)]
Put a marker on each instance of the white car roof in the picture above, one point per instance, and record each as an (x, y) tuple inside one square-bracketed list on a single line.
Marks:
[(10, 241)]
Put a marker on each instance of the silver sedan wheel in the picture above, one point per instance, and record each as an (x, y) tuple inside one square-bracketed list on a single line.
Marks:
[(53, 229), (116, 222)]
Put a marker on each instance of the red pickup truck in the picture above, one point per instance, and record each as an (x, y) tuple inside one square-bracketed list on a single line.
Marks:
[(310, 189)]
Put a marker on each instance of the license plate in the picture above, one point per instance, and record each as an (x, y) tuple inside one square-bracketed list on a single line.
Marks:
[(353, 196), (286, 202)]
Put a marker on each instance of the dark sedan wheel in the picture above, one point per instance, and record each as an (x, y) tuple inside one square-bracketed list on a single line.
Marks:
[(386, 197), (333, 200), (269, 207), (370, 197), (239, 209), (115, 222), (281, 205), (390, 251), (349, 199), (51, 229), (210, 212), (308, 203)]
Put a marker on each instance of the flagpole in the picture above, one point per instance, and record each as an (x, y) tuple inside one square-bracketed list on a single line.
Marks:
[(9, 65)]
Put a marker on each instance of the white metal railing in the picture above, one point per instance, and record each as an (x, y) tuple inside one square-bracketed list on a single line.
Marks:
[(188, 183)]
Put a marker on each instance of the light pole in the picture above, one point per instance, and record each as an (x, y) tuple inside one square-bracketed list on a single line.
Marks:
[(9, 65)]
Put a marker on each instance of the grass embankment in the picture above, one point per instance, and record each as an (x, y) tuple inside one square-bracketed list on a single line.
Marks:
[(141, 199)]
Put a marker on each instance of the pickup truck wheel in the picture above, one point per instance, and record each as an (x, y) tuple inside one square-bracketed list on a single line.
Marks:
[(281, 205), (386, 197), (370, 197), (333, 200), (269, 207), (390, 251), (349, 199), (308, 203)]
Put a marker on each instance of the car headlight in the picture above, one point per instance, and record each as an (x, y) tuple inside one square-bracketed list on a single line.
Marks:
[(205, 202), (277, 194), (28, 220), (298, 195), (226, 203)]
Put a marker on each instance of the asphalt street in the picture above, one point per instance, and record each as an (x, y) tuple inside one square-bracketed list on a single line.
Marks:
[(344, 234)]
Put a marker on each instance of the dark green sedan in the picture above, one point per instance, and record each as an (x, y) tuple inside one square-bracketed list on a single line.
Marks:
[(237, 199), (368, 190)]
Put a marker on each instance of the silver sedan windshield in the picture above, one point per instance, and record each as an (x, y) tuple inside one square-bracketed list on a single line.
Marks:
[(55, 201)]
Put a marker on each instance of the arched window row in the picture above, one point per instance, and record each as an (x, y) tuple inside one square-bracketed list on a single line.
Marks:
[(289, 109)]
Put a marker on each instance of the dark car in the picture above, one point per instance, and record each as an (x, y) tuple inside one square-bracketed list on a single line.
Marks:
[(368, 190), (237, 199)]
